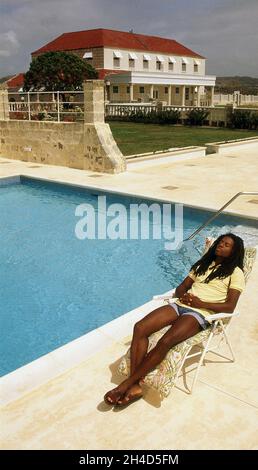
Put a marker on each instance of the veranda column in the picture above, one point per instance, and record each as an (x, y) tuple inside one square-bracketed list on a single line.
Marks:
[(131, 92), (101, 152), (212, 96), (151, 91), (170, 95), (183, 95), (198, 96)]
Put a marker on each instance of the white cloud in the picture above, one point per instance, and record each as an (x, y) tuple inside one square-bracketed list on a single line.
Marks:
[(9, 44)]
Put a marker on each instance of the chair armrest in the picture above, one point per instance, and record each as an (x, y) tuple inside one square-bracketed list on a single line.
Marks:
[(166, 296), (220, 316)]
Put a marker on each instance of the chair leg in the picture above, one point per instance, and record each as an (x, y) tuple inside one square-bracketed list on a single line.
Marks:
[(200, 363), (229, 345)]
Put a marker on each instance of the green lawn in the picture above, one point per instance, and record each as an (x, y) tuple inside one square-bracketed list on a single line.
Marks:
[(137, 138)]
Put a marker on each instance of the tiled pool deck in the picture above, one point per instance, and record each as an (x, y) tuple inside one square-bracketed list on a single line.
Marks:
[(67, 412)]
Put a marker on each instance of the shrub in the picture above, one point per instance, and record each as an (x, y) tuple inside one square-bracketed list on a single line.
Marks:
[(41, 116), (196, 117), (240, 119), (152, 117), (254, 121)]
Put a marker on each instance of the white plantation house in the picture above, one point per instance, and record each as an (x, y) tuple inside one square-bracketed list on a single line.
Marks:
[(140, 68)]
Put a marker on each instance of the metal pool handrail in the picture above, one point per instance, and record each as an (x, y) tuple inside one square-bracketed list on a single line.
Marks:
[(219, 211)]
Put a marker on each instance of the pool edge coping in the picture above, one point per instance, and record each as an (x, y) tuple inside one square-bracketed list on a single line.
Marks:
[(124, 193), (34, 374)]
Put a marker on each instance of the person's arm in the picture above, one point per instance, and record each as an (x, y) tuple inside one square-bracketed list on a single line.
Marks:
[(226, 307), (184, 287)]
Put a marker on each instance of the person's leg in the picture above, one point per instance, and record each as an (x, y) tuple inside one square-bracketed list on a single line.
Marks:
[(154, 321), (183, 328)]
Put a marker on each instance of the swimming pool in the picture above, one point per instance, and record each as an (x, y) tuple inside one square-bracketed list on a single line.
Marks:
[(55, 288)]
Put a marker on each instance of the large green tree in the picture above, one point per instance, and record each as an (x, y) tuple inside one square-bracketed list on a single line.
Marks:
[(58, 71)]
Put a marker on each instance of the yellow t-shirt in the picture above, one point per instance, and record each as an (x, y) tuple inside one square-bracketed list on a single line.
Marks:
[(216, 290)]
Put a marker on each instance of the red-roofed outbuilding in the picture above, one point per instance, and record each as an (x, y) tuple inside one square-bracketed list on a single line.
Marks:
[(15, 83)]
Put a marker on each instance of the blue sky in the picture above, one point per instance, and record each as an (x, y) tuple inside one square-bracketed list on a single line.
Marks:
[(225, 32)]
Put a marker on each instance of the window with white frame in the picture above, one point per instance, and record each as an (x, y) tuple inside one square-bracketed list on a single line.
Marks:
[(196, 65), (132, 58), (146, 60), (116, 59), (184, 63), (171, 63), (116, 62), (88, 57), (159, 62)]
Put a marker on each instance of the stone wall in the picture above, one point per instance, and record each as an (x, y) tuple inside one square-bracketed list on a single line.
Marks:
[(43, 142)]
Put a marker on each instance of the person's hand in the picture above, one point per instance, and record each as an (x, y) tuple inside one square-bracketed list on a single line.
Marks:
[(191, 300), (186, 298)]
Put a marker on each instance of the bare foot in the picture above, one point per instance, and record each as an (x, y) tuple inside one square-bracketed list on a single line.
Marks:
[(132, 394), (113, 396)]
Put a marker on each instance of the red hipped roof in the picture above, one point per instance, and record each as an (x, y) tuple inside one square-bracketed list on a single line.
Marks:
[(117, 39), (16, 81)]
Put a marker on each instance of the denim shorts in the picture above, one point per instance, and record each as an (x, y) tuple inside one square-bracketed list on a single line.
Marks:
[(188, 311)]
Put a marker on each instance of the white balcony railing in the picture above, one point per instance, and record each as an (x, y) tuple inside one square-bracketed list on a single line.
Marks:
[(57, 106)]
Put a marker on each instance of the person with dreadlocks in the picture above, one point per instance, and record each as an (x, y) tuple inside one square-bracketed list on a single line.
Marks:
[(213, 285)]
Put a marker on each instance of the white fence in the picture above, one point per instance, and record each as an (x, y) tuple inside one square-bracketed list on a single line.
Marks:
[(47, 106), (124, 109), (235, 98)]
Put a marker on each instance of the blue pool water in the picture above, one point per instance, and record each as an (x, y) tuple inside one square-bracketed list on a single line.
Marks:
[(55, 288)]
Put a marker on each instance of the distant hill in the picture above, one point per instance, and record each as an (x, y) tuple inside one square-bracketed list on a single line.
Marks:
[(246, 85)]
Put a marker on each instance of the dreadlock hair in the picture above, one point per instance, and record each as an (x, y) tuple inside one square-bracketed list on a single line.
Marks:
[(227, 266)]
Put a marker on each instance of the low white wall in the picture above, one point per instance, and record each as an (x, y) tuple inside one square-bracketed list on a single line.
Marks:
[(227, 147), (186, 153)]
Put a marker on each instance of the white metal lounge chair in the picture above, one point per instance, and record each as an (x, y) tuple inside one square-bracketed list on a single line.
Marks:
[(165, 375)]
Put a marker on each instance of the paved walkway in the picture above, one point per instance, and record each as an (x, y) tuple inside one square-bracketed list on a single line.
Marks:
[(68, 412)]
